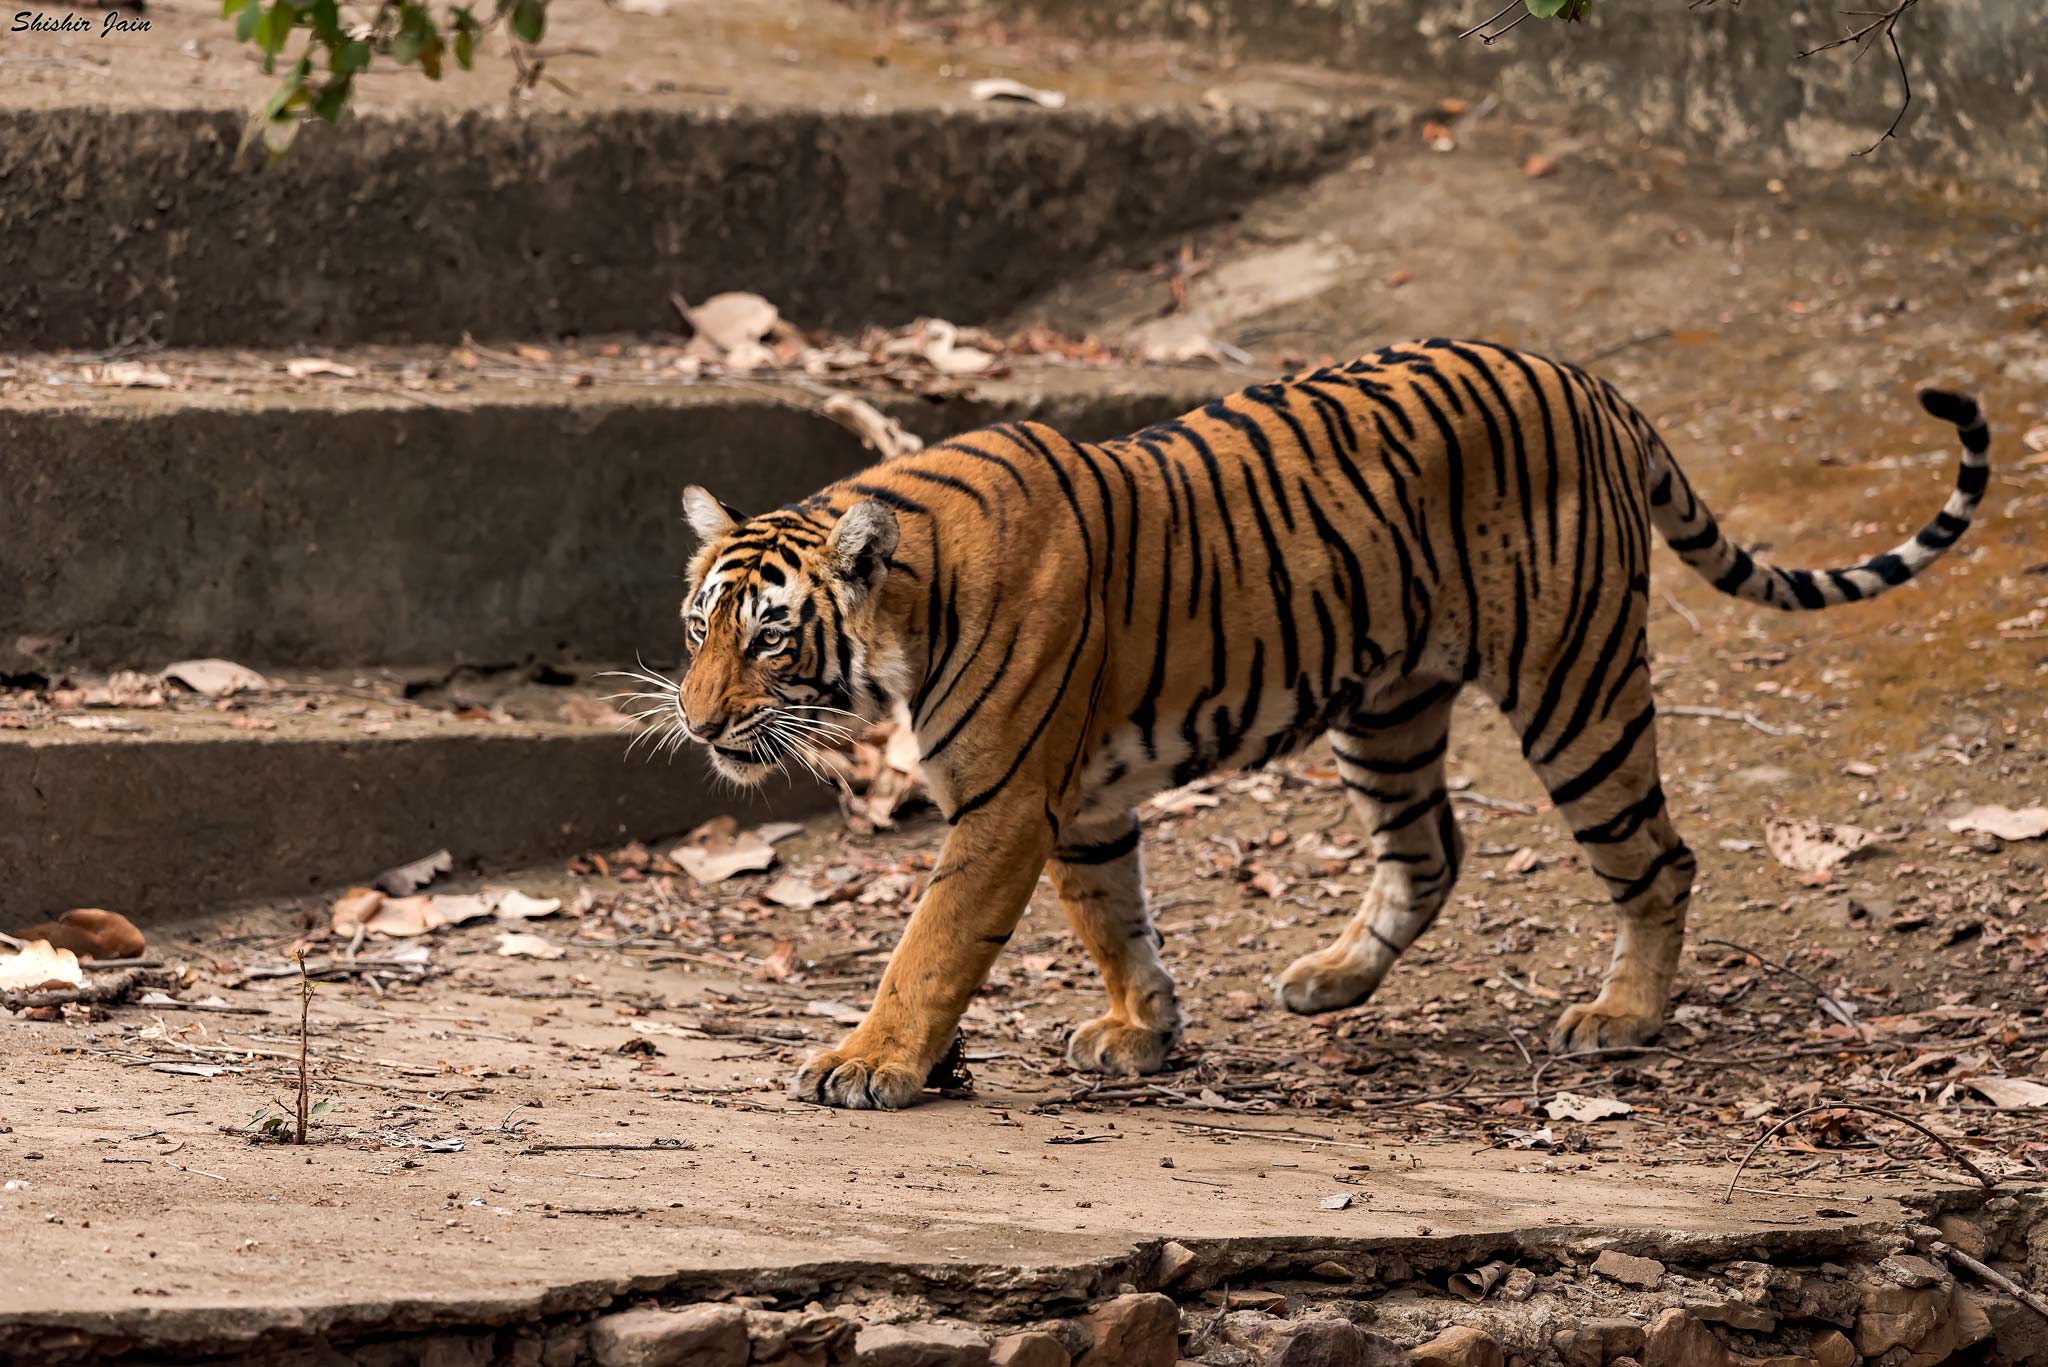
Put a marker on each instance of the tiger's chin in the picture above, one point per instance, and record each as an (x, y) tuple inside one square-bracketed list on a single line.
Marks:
[(739, 767)]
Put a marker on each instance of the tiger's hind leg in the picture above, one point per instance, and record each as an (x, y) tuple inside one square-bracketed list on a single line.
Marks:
[(1100, 879), (1598, 759), (1392, 764)]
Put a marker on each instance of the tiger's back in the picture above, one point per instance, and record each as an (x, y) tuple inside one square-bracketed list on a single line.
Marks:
[(1073, 627)]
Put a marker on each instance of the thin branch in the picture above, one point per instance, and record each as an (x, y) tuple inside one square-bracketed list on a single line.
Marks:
[(1728, 1196), (1886, 24), (1505, 11), (1749, 719), (1835, 1008), (1993, 1277)]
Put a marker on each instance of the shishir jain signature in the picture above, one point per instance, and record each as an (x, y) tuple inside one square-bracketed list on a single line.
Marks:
[(35, 21)]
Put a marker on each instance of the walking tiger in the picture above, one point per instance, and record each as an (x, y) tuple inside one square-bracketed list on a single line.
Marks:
[(1073, 627)]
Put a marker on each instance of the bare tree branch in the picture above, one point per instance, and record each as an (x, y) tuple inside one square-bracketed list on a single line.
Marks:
[(1885, 24)]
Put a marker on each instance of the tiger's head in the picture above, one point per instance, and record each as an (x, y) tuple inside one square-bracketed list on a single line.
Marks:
[(788, 652)]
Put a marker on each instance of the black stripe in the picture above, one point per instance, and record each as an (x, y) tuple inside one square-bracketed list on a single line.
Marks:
[(1105, 852)]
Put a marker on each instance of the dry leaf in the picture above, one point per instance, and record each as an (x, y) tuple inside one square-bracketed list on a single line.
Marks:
[(129, 375), (1002, 88), (103, 724), (2029, 823), (353, 908), (883, 435), (452, 910), (401, 918), (1572, 1106), (521, 944), (780, 964), (2009, 1091), (90, 933), (39, 967), (1337, 1202), (215, 678), (303, 366), (514, 905), (408, 878), (1535, 166), (716, 851), (1809, 846), (1524, 860), (587, 711), (727, 320), (795, 891)]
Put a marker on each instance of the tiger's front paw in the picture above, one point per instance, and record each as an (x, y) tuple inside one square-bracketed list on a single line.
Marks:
[(1604, 1024), (1325, 980), (1118, 1048), (865, 1078)]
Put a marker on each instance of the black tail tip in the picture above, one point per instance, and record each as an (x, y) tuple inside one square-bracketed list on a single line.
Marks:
[(1950, 406)]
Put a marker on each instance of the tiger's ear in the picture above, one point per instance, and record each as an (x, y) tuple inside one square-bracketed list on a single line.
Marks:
[(707, 517), (861, 542)]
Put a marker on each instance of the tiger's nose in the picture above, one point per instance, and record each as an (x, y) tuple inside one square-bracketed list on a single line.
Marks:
[(704, 732)]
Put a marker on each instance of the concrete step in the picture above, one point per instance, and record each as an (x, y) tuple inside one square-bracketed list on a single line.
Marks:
[(418, 511), (168, 812), (837, 167)]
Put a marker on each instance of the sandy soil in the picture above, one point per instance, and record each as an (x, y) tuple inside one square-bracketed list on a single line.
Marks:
[(1774, 333)]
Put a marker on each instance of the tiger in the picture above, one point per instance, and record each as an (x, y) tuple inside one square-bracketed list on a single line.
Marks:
[(1072, 627)]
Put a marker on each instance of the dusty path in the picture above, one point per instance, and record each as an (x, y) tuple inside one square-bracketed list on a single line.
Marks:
[(1774, 334)]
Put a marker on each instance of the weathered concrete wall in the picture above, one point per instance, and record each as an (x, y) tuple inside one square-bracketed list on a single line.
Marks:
[(303, 535), (143, 226), (1725, 77)]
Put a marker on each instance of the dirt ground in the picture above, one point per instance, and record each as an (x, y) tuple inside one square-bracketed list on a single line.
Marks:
[(1773, 330), (685, 54)]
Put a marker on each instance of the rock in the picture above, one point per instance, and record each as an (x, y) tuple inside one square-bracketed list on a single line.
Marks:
[(1270, 1302), (1960, 1231), (1618, 1337), (1738, 1314), (1141, 1330), (1973, 1323), (564, 1346), (1332, 1272), (1676, 1339), (1908, 1269), (1830, 1349), (1576, 1348), (2021, 1334), (1519, 1284), (1898, 1317), (700, 1336), (1629, 1270), (1459, 1346), (937, 1344), (1029, 1350), (1175, 1261), (1321, 1341)]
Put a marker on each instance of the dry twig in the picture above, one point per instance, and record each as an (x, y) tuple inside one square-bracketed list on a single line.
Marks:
[(1885, 23), (1728, 1196), (1992, 1276)]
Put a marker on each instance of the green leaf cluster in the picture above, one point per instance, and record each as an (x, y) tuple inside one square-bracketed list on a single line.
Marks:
[(321, 80)]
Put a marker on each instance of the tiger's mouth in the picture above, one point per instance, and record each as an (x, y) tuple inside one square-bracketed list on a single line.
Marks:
[(746, 764)]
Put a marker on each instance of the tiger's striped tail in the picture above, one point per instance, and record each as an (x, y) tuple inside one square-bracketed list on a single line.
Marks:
[(1689, 528)]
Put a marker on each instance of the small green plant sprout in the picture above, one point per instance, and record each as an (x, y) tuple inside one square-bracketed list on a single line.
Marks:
[(320, 81), (272, 1117)]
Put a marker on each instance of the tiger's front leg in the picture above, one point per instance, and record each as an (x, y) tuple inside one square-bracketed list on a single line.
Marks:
[(977, 893)]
